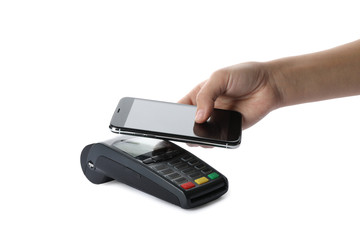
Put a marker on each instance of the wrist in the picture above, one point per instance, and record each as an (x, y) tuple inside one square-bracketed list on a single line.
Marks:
[(293, 80), (277, 72)]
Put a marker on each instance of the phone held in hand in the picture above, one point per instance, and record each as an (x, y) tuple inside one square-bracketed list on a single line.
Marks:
[(173, 121)]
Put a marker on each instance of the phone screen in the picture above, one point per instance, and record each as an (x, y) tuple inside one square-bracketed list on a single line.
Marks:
[(161, 117), (177, 119)]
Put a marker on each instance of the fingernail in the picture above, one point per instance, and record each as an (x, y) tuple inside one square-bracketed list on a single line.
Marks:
[(199, 115)]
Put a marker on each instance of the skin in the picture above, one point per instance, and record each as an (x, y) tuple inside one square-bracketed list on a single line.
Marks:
[(257, 88)]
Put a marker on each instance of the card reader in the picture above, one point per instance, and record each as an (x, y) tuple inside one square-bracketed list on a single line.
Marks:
[(154, 166)]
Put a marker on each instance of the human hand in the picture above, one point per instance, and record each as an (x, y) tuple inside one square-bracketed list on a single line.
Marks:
[(255, 89), (247, 88)]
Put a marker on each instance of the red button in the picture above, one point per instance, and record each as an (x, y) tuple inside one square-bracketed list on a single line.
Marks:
[(187, 185)]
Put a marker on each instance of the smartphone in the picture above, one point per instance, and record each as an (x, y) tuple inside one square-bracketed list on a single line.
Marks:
[(173, 121)]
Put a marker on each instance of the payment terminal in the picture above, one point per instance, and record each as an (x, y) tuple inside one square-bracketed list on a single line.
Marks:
[(154, 166)]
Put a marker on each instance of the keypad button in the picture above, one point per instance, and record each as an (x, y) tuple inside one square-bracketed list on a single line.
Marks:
[(187, 185), (187, 158), (174, 162), (199, 166), (213, 175), (195, 175), (148, 160), (173, 176), (189, 170), (166, 156), (180, 180), (206, 170), (166, 171), (181, 166), (193, 162), (158, 158), (201, 180), (172, 153), (160, 167)]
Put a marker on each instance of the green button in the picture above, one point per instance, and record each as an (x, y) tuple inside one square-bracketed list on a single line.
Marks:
[(213, 175)]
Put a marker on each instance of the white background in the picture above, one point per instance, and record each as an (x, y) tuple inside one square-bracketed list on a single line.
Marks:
[(65, 64)]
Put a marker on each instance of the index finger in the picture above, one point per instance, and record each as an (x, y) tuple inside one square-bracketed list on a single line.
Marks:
[(190, 98)]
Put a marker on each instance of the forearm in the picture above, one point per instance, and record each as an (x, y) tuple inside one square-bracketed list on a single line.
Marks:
[(318, 76)]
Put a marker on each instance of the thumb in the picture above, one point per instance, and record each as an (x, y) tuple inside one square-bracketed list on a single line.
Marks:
[(206, 97)]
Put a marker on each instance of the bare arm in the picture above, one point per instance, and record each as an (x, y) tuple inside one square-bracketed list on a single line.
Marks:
[(255, 89), (318, 76)]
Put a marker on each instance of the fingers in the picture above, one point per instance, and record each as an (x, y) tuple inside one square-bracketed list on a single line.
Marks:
[(208, 94), (187, 100), (190, 98), (197, 145), (205, 94)]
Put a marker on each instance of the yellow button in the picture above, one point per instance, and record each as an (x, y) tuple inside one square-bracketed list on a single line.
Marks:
[(201, 180)]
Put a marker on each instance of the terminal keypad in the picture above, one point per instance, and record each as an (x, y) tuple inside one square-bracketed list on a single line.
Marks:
[(184, 169)]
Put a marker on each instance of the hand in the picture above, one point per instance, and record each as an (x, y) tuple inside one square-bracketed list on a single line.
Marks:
[(255, 89), (246, 88)]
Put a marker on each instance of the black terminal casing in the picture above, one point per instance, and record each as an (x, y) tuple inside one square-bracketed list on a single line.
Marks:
[(101, 162)]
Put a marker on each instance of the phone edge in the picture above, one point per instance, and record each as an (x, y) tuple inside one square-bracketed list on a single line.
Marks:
[(231, 145)]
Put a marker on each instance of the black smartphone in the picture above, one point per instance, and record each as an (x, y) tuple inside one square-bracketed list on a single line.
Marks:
[(173, 121)]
